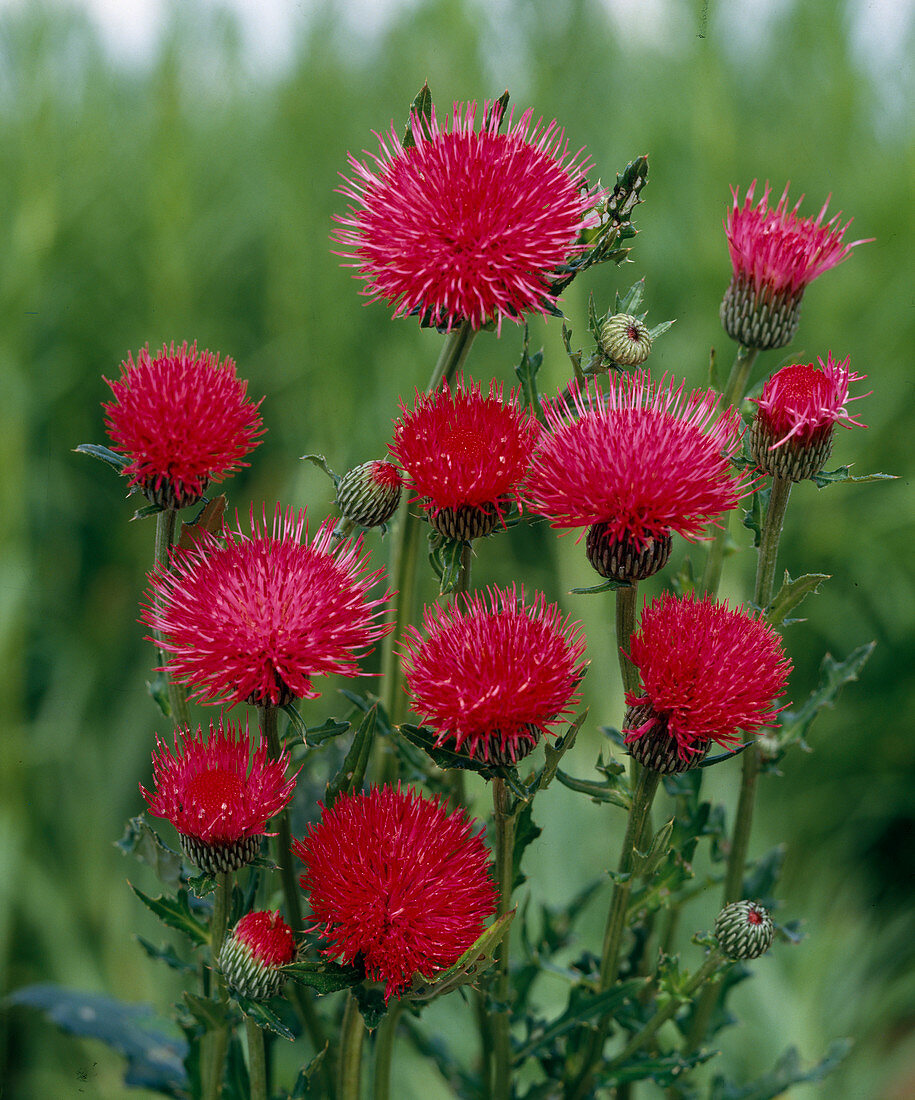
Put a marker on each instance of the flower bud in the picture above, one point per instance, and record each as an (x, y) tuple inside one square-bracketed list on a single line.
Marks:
[(743, 930), (625, 339), (253, 953), (369, 494)]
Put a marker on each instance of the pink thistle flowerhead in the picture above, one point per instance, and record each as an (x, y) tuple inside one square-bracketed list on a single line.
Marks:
[(466, 224), (706, 671), (465, 455), (254, 952), (792, 432), (217, 795), (495, 675), (398, 882), (183, 419), (255, 617), (634, 464), (369, 494), (775, 256)]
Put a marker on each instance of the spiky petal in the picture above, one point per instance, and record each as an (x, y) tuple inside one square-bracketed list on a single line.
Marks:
[(396, 880), (256, 617), (706, 672), (217, 795), (494, 675), (183, 419), (467, 224)]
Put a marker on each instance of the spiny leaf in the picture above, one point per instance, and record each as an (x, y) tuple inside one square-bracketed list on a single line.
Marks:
[(166, 954), (176, 913), (526, 832), (96, 450), (611, 789), (265, 1015), (421, 107), (321, 462), (527, 370), (144, 842), (792, 593), (468, 968), (446, 557), (647, 863), (324, 977), (795, 724), (350, 776), (834, 477), (211, 1015), (554, 753), (787, 1072), (605, 586), (754, 516)]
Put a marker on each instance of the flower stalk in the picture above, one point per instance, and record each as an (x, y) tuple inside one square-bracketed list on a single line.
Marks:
[(384, 1050), (505, 841), (352, 1033), (218, 1040), (166, 524), (257, 1061)]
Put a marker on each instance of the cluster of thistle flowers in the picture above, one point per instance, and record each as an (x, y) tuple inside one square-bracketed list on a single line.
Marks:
[(446, 227)]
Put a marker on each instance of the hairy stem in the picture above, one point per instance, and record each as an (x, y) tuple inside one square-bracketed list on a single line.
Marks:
[(505, 843), (166, 524), (352, 1032)]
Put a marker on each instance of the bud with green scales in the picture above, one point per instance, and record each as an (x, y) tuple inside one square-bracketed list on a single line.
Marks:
[(744, 930), (254, 952), (625, 339), (369, 494)]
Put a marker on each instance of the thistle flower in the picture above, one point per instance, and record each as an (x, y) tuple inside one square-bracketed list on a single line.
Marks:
[(744, 930), (254, 952), (706, 671), (465, 224), (465, 455), (183, 420), (257, 617), (369, 494), (217, 795), (398, 882), (634, 464), (792, 432), (775, 256), (495, 675)]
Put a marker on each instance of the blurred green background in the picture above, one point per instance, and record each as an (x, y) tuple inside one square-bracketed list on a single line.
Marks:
[(189, 196)]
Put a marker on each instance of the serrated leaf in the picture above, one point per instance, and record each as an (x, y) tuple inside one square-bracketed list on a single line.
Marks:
[(424, 738), (664, 1069), (527, 370), (302, 1088), (834, 477), (787, 1073), (660, 328), (323, 977), (321, 462), (351, 775), (755, 515), (496, 111), (421, 107), (96, 450), (317, 735), (372, 1005), (610, 790), (155, 1053), (210, 1015), (468, 968), (157, 688), (574, 356), (630, 301), (143, 842), (583, 1006), (264, 1015), (719, 758), (176, 913), (166, 954), (763, 876), (554, 753), (792, 593), (605, 586), (446, 557), (201, 885), (147, 512), (646, 863), (526, 832), (794, 724)]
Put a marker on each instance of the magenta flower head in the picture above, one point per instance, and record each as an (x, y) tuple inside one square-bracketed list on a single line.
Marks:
[(634, 464), (255, 617), (254, 953), (775, 256), (396, 881), (217, 795), (465, 455), (495, 675), (466, 224), (792, 432), (183, 420), (706, 671)]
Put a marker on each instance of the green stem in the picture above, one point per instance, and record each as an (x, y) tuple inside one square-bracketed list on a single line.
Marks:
[(769, 539), (218, 1040), (405, 557), (505, 842), (732, 395), (352, 1032), (384, 1049), (166, 523), (641, 1037), (257, 1061), (626, 600)]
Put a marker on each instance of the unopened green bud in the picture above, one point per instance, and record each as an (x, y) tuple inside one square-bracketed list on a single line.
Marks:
[(743, 930), (369, 494), (625, 339)]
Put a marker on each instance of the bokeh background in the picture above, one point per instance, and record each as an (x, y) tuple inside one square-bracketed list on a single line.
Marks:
[(173, 178)]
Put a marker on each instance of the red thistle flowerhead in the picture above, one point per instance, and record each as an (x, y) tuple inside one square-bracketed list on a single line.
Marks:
[(396, 882), (633, 464), (253, 953), (183, 419), (493, 676), (775, 256), (257, 616), (706, 672), (217, 795), (466, 224), (791, 434), (465, 455)]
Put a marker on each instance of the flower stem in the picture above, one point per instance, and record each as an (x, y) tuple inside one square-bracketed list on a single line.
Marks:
[(166, 523), (384, 1048), (626, 599), (505, 843), (732, 395), (257, 1062), (405, 557), (218, 1039), (352, 1032)]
